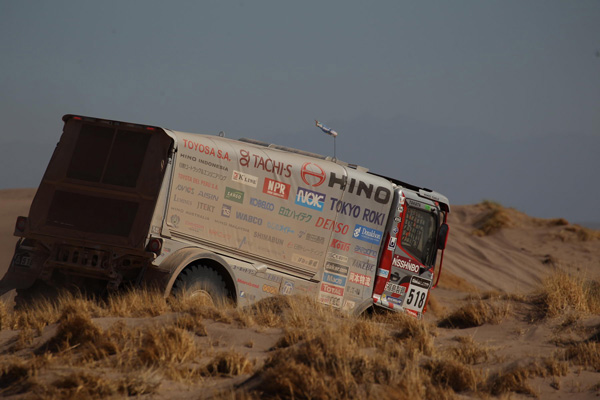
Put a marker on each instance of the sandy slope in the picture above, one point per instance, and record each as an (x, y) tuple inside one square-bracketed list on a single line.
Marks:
[(512, 260)]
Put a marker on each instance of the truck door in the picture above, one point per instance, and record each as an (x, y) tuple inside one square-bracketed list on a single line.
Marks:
[(405, 271)]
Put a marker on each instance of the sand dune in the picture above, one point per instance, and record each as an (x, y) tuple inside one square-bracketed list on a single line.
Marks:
[(510, 261)]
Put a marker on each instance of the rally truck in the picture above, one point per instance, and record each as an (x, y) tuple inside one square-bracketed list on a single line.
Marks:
[(124, 204)]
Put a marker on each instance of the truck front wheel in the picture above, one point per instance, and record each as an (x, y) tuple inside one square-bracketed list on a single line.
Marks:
[(201, 280)]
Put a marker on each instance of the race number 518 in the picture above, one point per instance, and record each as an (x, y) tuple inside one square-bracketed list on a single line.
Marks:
[(416, 295)]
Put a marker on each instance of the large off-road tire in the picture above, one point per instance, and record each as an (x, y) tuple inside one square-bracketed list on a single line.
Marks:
[(202, 280)]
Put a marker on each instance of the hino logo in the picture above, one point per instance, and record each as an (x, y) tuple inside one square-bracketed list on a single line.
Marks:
[(380, 194), (312, 174)]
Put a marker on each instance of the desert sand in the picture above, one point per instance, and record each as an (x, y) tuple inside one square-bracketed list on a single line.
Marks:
[(499, 261)]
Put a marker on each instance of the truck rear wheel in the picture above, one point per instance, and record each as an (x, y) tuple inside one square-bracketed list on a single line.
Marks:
[(201, 280)]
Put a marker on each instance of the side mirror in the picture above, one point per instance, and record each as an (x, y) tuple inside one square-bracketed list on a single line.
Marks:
[(442, 236)]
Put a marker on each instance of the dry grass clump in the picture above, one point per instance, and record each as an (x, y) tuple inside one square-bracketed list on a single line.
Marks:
[(136, 303), (585, 354), (561, 292), (495, 219), (16, 376), (476, 313), (167, 345), (229, 363), (76, 330), (515, 377), (577, 233), (453, 374), (469, 352)]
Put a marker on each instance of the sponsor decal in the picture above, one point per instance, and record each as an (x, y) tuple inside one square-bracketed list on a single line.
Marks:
[(392, 243), (192, 226), (232, 226), (219, 234), (330, 299), (353, 290), (330, 289), (338, 244), (338, 257), (367, 234), (245, 270), (348, 305), (226, 211), (182, 200), (184, 188), (268, 238), (394, 288), (234, 195), (393, 300), (205, 207), (380, 194), (245, 295), (201, 171), (270, 289), (365, 251), (346, 208), (207, 195), (155, 229), (334, 279), (270, 277), (336, 268), (310, 199), (205, 162), (265, 205), (276, 188), (175, 220), (312, 174), (360, 279), (244, 179), (287, 288), (363, 265), (330, 224), (242, 242), (279, 227), (201, 148), (384, 273), (420, 282), (243, 282), (247, 159), (196, 215), (405, 264), (305, 249), (314, 238), (307, 261), (248, 218), (210, 185), (395, 230), (289, 213)]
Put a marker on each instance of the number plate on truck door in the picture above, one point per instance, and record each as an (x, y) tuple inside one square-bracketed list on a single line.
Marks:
[(416, 295)]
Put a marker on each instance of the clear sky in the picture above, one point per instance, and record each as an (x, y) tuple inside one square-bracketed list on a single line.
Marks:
[(477, 99)]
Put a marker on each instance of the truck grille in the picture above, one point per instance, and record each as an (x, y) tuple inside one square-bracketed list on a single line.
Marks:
[(82, 257)]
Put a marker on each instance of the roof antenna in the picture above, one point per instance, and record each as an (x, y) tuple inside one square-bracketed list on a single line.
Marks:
[(330, 132)]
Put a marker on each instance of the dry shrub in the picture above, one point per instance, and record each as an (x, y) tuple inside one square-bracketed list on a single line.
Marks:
[(585, 354), (5, 317), (495, 219), (453, 374), (192, 324), (514, 378), (578, 233), (76, 330), (475, 313), (416, 336), (16, 376), (269, 311), (557, 222), (201, 307), (468, 351), (228, 363), (137, 303), (167, 345), (561, 292), (451, 281)]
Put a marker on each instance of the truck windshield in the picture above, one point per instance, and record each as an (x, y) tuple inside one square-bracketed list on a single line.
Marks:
[(418, 236)]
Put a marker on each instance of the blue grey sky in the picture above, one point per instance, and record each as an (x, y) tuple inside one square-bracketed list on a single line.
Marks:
[(478, 100)]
